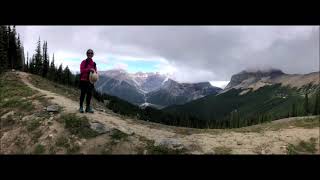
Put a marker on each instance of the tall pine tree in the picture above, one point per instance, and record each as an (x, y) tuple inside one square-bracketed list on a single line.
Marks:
[(19, 55), (38, 59), (59, 74), (67, 76), (3, 48), (306, 105), (45, 64), (293, 110), (316, 110), (32, 66), (52, 70), (12, 48)]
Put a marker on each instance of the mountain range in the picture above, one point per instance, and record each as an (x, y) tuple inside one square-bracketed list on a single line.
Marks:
[(151, 89), (252, 93)]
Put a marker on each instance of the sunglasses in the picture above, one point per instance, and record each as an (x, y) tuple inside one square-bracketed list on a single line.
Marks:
[(89, 53)]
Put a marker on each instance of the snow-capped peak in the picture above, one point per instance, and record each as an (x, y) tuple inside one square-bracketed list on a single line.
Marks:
[(165, 80)]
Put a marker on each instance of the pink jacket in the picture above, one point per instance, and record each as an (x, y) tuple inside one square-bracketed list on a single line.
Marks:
[(85, 69)]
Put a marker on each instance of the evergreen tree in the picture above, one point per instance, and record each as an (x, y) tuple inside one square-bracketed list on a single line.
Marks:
[(9, 51), (316, 110), (3, 49), (19, 55), (12, 49), (77, 80), (306, 105), (32, 66), (231, 119), (52, 70), (45, 65), (238, 119), (6, 44), (59, 74), (67, 76), (22, 55), (38, 59), (235, 120), (293, 110)]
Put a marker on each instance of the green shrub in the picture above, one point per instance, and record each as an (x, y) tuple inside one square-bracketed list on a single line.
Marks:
[(33, 124), (39, 149), (62, 141), (303, 147), (118, 135), (78, 126)]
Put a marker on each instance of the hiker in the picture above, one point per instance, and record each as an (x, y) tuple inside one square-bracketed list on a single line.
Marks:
[(86, 86)]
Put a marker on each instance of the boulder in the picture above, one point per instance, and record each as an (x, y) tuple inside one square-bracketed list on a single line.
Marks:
[(7, 114), (170, 143), (100, 128), (53, 108)]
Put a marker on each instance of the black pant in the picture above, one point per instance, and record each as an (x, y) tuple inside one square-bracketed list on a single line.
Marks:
[(86, 89)]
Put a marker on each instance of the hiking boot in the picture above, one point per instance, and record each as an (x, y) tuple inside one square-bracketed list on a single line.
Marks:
[(81, 109), (89, 109)]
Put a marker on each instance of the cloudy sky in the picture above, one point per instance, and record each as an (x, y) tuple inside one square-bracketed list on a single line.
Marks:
[(187, 53)]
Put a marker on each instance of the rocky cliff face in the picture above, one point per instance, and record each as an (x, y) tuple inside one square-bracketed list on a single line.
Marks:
[(246, 78)]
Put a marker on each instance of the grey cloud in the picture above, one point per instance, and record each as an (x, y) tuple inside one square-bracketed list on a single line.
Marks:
[(215, 52), (226, 50)]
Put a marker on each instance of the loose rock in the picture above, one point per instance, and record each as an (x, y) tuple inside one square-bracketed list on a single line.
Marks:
[(100, 128), (7, 114), (170, 143), (53, 108)]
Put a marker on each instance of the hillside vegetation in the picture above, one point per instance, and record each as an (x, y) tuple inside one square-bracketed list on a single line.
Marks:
[(265, 104)]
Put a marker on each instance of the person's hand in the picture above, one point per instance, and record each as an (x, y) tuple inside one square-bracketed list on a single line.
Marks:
[(92, 70)]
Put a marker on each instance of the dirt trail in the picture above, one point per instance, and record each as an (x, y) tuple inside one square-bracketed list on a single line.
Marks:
[(269, 142)]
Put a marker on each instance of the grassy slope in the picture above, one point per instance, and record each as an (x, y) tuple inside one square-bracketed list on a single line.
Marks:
[(265, 100), (11, 93), (20, 101), (45, 84)]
